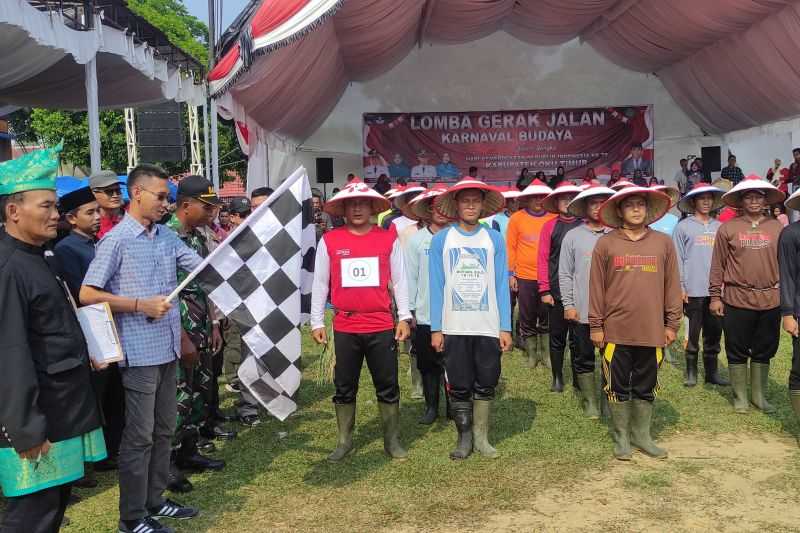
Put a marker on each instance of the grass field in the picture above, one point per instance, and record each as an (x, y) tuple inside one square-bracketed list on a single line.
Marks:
[(277, 478)]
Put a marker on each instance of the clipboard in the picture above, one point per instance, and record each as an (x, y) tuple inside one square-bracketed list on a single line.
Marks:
[(102, 338)]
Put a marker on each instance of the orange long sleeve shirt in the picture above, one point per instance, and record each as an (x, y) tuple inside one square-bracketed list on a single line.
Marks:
[(522, 242)]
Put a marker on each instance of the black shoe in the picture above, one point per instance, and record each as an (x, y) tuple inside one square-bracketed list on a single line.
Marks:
[(690, 376), (145, 525), (234, 387), (199, 463), (712, 372), (558, 382), (86, 482), (205, 445), (73, 499), (171, 509), (106, 465), (178, 482), (249, 420), (222, 418), (557, 368), (430, 388), (216, 432)]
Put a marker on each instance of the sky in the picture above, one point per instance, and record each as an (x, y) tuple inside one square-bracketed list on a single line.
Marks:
[(230, 8)]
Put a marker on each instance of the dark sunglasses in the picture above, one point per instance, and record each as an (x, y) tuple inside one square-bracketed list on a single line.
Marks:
[(110, 191)]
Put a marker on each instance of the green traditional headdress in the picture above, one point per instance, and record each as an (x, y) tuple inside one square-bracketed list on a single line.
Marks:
[(34, 171)]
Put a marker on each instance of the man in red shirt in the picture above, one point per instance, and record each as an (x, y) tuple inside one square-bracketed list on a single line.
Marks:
[(107, 191), (356, 264)]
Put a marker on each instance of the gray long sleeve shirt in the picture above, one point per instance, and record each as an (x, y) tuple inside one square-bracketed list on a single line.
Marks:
[(574, 264), (694, 242)]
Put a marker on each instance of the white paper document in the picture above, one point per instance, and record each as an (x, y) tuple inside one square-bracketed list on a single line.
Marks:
[(98, 327)]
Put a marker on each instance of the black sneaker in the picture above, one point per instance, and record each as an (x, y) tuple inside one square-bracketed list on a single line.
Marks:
[(234, 387), (250, 420), (171, 509), (145, 525)]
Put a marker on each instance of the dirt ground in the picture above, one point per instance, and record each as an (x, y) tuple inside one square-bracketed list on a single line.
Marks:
[(724, 483)]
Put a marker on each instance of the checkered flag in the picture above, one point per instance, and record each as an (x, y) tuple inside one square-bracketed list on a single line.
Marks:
[(261, 277)]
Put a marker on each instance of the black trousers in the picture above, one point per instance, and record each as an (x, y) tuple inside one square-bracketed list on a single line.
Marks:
[(794, 373), (559, 330), (631, 372), (473, 366), (751, 333), (532, 312), (701, 319), (583, 352), (111, 399), (428, 359), (40, 512), (380, 351)]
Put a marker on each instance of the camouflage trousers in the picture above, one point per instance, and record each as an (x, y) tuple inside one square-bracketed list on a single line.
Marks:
[(194, 398)]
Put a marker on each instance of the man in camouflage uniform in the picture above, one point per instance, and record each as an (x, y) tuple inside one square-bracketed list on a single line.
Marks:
[(195, 207)]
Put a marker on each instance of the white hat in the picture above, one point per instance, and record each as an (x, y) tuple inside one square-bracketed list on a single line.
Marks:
[(686, 204), (577, 207), (733, 198), (356, 189), (564, 188), (536, 188), (509, 193), (493, 201), (658, 204), (793, 202), (621, 184), (406, 194)]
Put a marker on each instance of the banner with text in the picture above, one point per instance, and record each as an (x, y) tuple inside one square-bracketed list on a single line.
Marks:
[(437, 147)]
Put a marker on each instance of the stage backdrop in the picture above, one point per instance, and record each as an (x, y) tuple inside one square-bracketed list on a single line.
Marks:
[(436, 147)]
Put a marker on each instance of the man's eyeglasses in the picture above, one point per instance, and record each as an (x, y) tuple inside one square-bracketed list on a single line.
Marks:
[(161, 197), (111, 191)]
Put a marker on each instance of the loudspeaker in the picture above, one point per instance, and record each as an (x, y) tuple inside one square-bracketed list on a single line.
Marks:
[(159, 133), (712, 158), (324, 170)]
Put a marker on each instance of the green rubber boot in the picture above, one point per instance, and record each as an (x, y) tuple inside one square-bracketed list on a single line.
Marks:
[(759, 375), (794, 396), (739, 385), (482, 413), (390, 415), (417, 392), (586, 384), (640, 429), (532, 356), (621, 429), (345, 420), (462, 416), (544, 349)]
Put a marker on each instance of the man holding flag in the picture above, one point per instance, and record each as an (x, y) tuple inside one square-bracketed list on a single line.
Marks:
[(356, 264)]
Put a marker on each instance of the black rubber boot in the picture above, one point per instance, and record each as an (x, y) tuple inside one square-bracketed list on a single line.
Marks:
[(640, 429), (430, 387), (690, 376), (759, 377), (557, 368), (621, 429), (345, 422), (711, 368), (462, 415), (390, 416), (189, 457)]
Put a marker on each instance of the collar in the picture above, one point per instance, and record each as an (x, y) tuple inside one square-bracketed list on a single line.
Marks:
[(465, 233), (136, 228), (82, 238), (541, 213), (20, 245)]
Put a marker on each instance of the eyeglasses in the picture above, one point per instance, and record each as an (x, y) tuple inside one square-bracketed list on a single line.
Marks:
[(111, 191), (162, 197)]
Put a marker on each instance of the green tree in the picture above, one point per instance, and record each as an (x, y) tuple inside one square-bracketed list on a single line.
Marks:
[(183, 30)]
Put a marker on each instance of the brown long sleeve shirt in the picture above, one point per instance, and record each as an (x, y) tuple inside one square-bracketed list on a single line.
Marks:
[(744, 266), (635, 289)]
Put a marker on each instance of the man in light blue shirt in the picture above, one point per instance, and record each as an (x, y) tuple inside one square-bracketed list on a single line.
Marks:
[(429, 362), (134, 269), (446, 169)]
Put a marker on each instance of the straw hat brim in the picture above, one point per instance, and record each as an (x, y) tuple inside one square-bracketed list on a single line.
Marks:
[(658, 204), (550, 203), (577, 207), (793, 202), (674, 195), (733, 198), (493, 201), (686, 204), (335, 207)]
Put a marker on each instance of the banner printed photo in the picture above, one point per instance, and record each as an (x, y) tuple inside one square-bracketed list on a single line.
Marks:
[(441, 147)]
